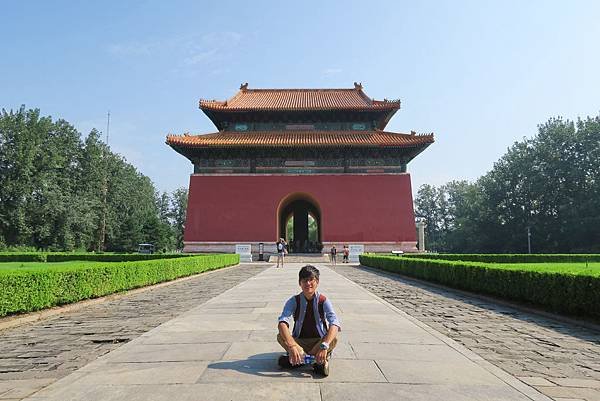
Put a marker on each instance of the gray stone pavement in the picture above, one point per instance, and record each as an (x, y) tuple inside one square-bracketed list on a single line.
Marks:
[(35, 355), (225, 349), (558, 358)]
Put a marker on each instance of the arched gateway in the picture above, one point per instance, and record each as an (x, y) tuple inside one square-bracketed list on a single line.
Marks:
[(287, 159), (299, 222)]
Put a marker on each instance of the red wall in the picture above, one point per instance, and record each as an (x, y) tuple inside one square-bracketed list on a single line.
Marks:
[(354, 208)]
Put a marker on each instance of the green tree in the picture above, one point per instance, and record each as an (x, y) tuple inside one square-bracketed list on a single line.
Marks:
[(548, 184), (58, 192), (431, 204), (179, 201), (38, 165)]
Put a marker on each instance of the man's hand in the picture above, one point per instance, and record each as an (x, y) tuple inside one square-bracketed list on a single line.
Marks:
[(295, 356), (321, 356)]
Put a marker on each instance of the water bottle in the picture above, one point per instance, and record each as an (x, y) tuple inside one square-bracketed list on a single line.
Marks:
[(309, 359)]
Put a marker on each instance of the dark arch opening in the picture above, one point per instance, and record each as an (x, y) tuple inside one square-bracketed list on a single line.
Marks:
[(300, 224)]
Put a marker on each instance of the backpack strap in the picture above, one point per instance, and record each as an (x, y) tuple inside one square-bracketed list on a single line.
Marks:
[(322, 299), (297, 310)]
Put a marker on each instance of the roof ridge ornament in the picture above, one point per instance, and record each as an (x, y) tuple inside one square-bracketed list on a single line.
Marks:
[(358, 85), (244, 87)]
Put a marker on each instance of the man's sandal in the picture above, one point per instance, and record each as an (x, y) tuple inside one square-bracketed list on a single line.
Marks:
[(322, 369), (284, 362)]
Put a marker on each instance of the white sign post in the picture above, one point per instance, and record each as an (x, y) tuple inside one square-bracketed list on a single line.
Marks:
[(245, 252), (355, 252)]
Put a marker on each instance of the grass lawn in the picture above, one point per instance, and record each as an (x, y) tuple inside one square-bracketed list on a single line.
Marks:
[(7, 267), (579, 268)]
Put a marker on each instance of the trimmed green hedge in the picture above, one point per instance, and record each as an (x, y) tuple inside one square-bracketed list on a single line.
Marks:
[(22, 257), (575, 294), (27, 290), (99, 257), (509, 258), (112, 257)]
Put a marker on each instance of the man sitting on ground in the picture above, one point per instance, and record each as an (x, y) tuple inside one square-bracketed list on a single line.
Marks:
[(311, 334)]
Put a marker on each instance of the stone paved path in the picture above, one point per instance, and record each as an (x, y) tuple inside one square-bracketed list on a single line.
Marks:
[(559, 359), (35, 355), (225, 350)]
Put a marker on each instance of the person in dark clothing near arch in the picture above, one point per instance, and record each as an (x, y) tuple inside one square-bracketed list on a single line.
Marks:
[(333, 253)]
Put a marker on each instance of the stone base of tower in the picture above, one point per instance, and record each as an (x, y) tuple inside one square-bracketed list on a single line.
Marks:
[(372, 210), (269, 247)]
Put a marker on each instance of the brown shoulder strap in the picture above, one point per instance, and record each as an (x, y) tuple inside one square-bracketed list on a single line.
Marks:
[(322, 299), (297, 310)]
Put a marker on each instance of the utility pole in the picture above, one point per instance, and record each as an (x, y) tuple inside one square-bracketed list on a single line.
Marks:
[(107, 126), (102, 233)]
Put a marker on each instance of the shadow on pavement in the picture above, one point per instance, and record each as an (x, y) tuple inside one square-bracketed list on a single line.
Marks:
[(264, 365)]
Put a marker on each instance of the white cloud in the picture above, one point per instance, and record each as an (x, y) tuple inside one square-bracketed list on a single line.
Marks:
[(202, 57), (191, 50), (221, 39), (133, 49), (331, 71)]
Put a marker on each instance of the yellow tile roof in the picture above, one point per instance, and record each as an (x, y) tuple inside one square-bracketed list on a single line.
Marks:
[(300, 139), (300, 99)]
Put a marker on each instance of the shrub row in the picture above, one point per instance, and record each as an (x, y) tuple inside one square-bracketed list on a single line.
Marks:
[(112, 257), (510, 258), (22, 257), (99, 257), (562, 293), (33, 289)]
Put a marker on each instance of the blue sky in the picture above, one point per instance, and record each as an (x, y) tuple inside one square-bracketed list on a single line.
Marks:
[(479, 74)]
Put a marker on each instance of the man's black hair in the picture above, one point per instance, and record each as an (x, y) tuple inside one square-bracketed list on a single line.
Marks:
[(308, 271)]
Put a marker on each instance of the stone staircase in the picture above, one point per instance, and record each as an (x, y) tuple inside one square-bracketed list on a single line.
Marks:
[(302, 258)]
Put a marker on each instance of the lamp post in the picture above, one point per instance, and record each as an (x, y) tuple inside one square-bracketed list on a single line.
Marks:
[(528, 240)]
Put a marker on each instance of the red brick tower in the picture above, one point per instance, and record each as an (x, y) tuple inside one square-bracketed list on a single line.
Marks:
[(303, 154)]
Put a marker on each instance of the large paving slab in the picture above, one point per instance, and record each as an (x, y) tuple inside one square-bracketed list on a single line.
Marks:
[(35, 354), (225, 349), (557, 355)]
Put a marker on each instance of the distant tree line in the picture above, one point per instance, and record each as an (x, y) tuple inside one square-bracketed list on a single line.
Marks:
[(62, 192), (548, 185)]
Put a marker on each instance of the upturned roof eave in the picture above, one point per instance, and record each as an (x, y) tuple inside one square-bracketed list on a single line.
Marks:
[(180, 145), (226, 109)]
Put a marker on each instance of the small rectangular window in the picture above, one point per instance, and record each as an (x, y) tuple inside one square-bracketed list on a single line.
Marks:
[(300, 127)]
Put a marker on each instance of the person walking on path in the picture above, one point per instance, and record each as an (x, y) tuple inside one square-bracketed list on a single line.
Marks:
[(333, 254), (315, 325), (281, 244), (346, 254)]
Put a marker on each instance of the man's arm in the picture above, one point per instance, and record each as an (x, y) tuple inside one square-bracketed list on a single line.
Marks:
[(321, 354), (293, 349), (331, 334), (334, 328)]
